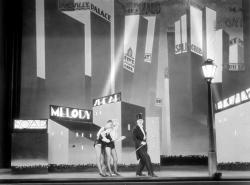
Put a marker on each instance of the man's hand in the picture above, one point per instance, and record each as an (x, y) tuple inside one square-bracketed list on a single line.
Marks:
[(143, 143)]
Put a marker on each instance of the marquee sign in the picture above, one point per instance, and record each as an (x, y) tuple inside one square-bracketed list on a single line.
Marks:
[(83, 5), (68, 113), (113, 98), (30, 124), (237, 98)]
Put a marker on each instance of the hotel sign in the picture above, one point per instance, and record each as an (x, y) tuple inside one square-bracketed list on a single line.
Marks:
[(68, 113), (236, 99), (113, 98)]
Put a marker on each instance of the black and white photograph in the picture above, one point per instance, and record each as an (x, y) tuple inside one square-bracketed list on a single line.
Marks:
[(125, 92)]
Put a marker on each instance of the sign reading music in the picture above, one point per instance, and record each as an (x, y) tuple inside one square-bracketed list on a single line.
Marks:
[(113, 98), (69, 113), (237, 98)]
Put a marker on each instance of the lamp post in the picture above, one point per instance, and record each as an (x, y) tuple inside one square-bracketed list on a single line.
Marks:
[(208, 69)]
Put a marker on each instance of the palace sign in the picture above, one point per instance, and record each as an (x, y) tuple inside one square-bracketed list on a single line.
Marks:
[(107, 99), (237, 98), (69, 113), (70, 6)]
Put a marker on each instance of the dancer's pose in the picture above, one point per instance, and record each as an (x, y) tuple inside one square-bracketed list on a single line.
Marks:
[(110, 135), (99, 149), (140, 136), (107, 136)]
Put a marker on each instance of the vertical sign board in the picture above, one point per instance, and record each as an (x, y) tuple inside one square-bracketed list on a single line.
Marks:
[(196, 30), (130, 41), (181, 45), (210, 32), (68, 113), (149, 38)]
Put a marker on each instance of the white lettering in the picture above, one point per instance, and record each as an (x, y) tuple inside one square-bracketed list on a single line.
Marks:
[(219, 105), (244, 96), (74, 113), (225, 103), (232, 100), (107, 99), (237, 99), (55, 112), (248, 92), (66, 112), (97, 102)]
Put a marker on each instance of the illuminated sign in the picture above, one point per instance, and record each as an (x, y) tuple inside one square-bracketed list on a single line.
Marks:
[(181, 35), (30, 124), (129, 61), (107, 99), (143, 8), (148, 57), (70, 6), (196, 30), (238, 98), (70, 113)]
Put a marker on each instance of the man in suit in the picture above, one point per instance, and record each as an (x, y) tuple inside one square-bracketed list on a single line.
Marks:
[(140, 139)]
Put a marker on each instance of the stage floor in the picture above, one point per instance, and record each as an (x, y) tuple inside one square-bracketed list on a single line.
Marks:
[(166, 174)]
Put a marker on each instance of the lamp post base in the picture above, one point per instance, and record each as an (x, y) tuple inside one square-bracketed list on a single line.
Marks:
[(212, 163)]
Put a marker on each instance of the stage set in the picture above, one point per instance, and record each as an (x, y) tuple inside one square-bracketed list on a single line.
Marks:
[(84, 62)]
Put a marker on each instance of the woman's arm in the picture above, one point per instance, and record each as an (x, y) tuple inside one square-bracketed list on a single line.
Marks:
[(104, 138), (99, 132)]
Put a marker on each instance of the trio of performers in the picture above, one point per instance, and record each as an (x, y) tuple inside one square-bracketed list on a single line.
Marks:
[(105, 148)]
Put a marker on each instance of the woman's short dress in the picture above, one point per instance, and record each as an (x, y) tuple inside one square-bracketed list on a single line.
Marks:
[(111, 144)]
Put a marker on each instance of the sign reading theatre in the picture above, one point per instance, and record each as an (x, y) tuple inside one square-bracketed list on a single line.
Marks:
[(70, 113), (113, 98)]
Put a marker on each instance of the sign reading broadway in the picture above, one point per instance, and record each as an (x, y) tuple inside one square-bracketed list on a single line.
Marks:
[(68, 113)]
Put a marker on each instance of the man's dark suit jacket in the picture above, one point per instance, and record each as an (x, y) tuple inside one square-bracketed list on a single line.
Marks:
[(138, 138)]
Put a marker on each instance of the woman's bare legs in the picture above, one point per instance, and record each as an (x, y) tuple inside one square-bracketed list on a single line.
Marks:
[(108, 157), (115, 159), (98, 150)]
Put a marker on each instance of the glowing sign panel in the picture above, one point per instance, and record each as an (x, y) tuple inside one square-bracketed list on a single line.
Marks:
[(70, 113), (70, 6), (30, 124), (107, 99), (233, 100)]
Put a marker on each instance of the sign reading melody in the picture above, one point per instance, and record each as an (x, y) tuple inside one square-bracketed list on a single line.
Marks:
[(68, 113), (113, 98), (236, 99)]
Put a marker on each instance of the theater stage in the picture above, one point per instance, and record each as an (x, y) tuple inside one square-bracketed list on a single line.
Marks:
[(167, 175)]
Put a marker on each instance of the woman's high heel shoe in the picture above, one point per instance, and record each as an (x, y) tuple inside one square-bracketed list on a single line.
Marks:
[(103, 175)]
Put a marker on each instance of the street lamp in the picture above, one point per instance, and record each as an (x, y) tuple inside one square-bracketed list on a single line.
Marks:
[(208, 69)]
